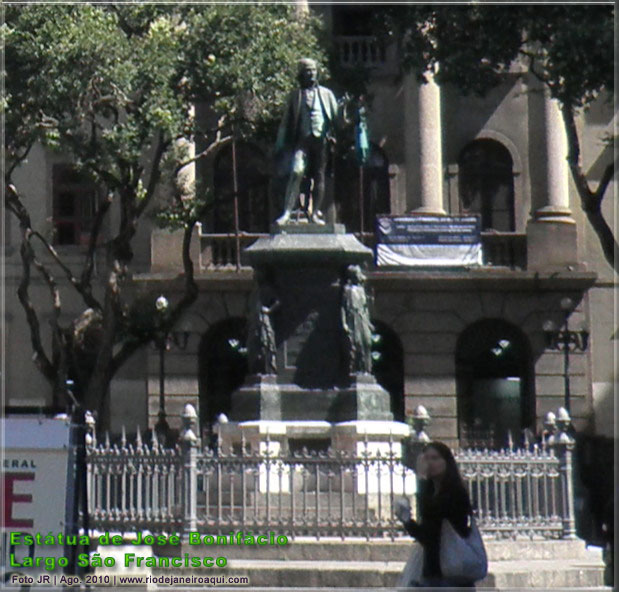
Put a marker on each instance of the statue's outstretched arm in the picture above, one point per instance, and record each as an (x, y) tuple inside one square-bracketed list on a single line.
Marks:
[(280, 141)]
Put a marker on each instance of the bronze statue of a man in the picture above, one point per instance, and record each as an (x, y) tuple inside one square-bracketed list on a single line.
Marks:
[(304, 133)]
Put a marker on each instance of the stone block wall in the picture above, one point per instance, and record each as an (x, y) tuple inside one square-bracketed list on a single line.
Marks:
[(429, 322)]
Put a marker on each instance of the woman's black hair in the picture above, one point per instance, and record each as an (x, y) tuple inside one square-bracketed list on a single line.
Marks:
[(452, 481)]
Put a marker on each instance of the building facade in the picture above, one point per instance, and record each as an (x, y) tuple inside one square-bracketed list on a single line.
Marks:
[(469, 344)]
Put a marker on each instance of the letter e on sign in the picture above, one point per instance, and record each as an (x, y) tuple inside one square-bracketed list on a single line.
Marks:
[(12, 497)]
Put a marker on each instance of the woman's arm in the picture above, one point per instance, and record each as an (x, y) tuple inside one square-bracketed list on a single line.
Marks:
[(417, 531)]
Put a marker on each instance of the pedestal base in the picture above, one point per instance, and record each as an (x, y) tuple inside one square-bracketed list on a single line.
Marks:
[(552, 244), (261, 397), (373, 448)]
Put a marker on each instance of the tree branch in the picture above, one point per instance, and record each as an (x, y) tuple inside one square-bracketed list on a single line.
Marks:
[(86, 294), (189, 296), (591, 202), (573, 158), (89, 264), (40, 358), (15, 205), (101, 375), (155, 174), (607, 176), (213, 146), (18, 159), (54, 370)]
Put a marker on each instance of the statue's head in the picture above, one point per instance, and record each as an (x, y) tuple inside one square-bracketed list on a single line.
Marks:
[(307, 72), (354, 274)]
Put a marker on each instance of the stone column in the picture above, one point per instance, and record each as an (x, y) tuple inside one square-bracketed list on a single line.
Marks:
[(186, 180), (551, 232), (423, 145), (557, 207), (301, 7)]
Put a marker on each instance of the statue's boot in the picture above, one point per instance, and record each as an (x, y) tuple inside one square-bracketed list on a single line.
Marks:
[(317, 199), (292, 194), (316, 218), (283, 219)]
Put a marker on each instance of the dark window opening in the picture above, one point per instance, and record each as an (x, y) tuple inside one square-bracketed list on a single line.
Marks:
[(486, 183), (494, 373), (352, 21), (358, 210), (74, 196), (388, 366), (253, 190), (222, 368)]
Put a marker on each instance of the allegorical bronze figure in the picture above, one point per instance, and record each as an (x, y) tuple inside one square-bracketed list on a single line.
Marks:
[(261, 345), (356, 321)]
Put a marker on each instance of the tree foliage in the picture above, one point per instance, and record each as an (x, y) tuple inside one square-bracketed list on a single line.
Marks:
[(113, 88), (569, 48)]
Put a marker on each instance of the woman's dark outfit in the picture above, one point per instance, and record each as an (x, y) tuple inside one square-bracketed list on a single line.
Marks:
[(452, 505)]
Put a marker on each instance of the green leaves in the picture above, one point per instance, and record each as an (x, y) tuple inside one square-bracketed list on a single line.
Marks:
[(242, 58), (101, 82), (569, 47)]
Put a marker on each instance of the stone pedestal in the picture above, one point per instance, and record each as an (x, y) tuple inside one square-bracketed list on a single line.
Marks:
[(552, 245), (308, 392), (304, 266), (263, 397), (363, 440), (259, 397)]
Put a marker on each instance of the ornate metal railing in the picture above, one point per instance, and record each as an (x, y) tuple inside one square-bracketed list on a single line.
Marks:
[(135, 486), (504, 249), (515, 491), (365, 51), (305, 493), (269, 489), (223, 251)]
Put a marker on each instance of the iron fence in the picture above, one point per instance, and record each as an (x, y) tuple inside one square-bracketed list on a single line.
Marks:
[(515, 491), (267, 488)]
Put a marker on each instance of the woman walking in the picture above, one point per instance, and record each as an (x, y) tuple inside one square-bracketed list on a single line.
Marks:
[(442, 496)]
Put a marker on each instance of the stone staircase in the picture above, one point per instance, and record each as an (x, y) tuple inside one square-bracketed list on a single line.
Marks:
[(360, 564)]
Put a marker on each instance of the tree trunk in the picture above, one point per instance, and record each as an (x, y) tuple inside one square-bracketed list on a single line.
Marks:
[(591, 201)]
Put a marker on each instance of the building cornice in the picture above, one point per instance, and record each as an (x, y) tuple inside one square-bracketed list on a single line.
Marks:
[(487, 279)]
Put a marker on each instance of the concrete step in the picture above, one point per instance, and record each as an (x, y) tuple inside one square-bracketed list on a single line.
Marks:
[(545, 575), (378, 549)]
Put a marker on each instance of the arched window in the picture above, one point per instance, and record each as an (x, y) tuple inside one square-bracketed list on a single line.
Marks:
[(358, 210), (486, 184), (253, 193), (222, 367), (388, 366), (494, 374)]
